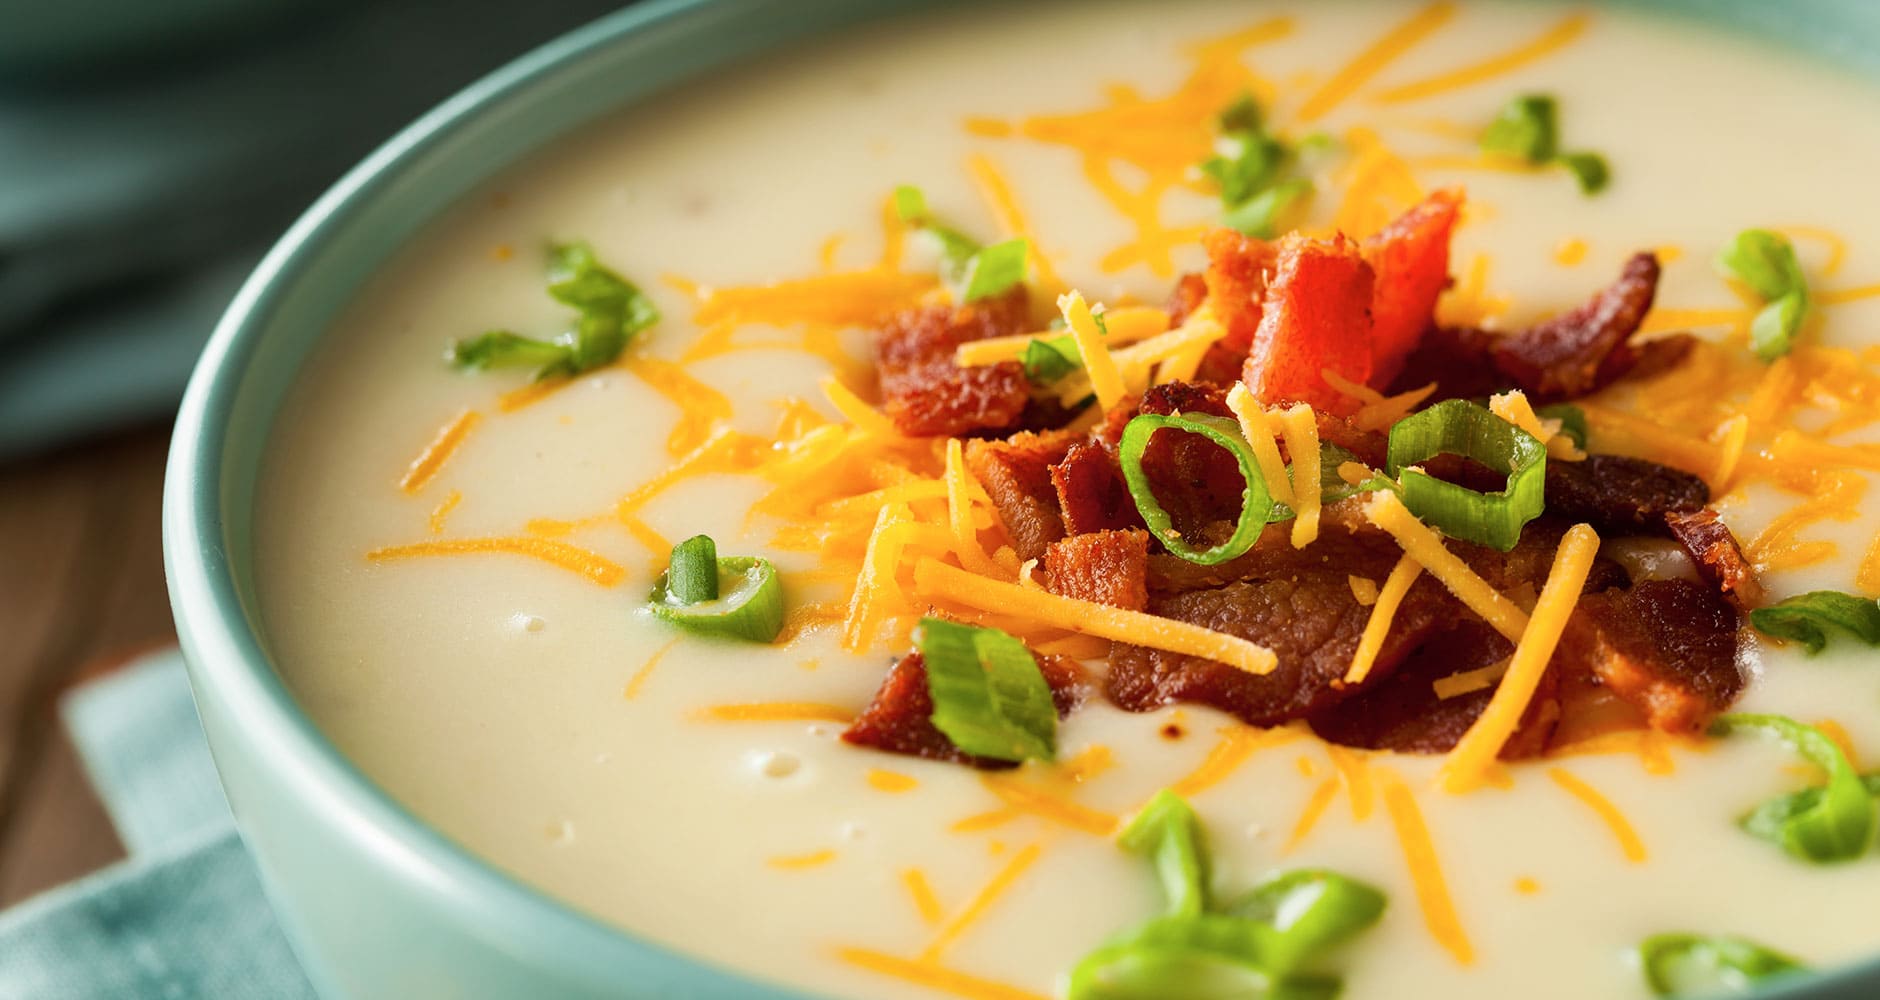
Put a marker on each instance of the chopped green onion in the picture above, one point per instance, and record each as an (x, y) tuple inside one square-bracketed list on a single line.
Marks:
[(692, 573), (1250, 949), (1167, 832), (1697, 965), (748, 605), (1766, 262), (1309, 911), (1572, 421), (972, 271), (612, 312), (1459, 427), (1256, 501), (1247, 164), (1527, 128), (1808, 618), (1589, 169), (1265, 214), (1205, 957), (989, 697), (994, 269), (1047, 359), (1837, 826), (1332, 486), (1768, 819)]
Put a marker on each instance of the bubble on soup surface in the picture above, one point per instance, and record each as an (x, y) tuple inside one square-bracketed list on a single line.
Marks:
[(522, 621), (775, 763)]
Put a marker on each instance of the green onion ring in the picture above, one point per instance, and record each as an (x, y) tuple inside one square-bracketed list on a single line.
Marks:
[(1459, 427), (1256, 500)]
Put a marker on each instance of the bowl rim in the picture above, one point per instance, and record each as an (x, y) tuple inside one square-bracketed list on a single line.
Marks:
[(222, 645), (223, 648)]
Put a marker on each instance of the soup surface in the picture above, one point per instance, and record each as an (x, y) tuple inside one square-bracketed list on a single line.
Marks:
[(490, 666)]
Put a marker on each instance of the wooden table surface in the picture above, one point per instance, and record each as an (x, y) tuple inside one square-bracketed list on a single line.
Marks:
[(81, 588)]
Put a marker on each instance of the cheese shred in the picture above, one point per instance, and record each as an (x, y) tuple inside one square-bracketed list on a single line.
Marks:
[(1419, 542), (1104, 376), (933, 578), (1388, 599), (1478, 748)]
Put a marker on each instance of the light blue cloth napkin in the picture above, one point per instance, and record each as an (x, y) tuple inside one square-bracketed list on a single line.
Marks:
[(183, 918)]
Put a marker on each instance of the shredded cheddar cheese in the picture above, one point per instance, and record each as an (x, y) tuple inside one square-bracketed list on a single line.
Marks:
[(1355, 771), (1363, 590), (960, 488), (637, 683), (801, 862), (1238, 742), (1257, 427), (1098, 364), (933, 976), (1514, 408), (1375, 60), (1564, 33), (1384, 607), (1126, 325), (1321, 799), (935, 579), (1301, 429), (1426, 871), (777, 711), (442, 511), (431, 460), (701, 407), (593, 566), (1031, 799), (926, 903), (875, 589), (1478, 748), (1629, 843), (1422, 544), (983, 901), (1469, 681), (892, 782)]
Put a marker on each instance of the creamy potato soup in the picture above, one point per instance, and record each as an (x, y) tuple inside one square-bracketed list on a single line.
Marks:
[(456, 560)]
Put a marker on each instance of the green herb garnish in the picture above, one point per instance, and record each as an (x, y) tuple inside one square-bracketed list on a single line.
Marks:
[(1528, 129), (1836, 825), (740, 597), (1459, 427), (1808, 618), (1048, 359), (989, 697), (612, 312), (1253, 947), (971, 271), (1698, 965), (1256, 499), (1766, 263), (1249, 163), (1572, 421)]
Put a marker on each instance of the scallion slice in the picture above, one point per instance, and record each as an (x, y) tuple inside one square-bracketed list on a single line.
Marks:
[(1459, 427), (1808, 618), (989, 697), (1256, 500), (1702, 965), (972, 271), (612, 312), (1766, 263), (1167, 832), (746, 595), (1528, 129), (1838, 825), (1309, 911), (1572, 421), (1048, 359)]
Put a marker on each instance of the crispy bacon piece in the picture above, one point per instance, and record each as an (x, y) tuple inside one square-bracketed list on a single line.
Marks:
[(1239, 269), (1299, 603), (1568, 356), (1108, 567), (1580, 351), (1016, 474), (1091, 492), (1316, 316), (1405, 714), (1667, 646), (900, 718), (926, 394), (1620, 495), (1719, 559), (1190, 291), (1411, 259)]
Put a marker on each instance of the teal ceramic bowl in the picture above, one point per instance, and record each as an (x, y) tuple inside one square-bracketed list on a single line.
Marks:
[(376, 903)]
